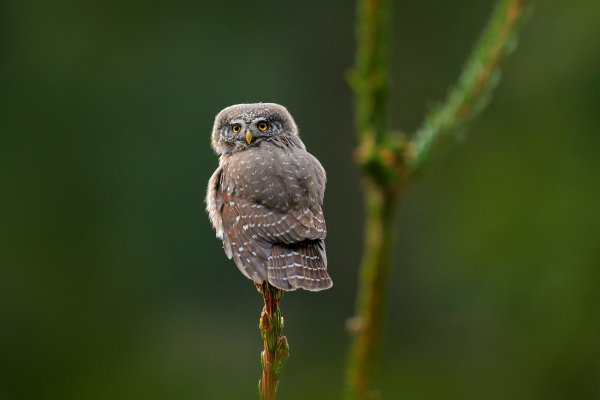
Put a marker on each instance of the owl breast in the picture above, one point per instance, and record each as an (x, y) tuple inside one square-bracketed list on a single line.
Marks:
[(279, 178)]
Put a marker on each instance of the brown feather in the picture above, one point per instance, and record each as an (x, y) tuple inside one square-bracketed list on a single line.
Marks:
[(265, 201)]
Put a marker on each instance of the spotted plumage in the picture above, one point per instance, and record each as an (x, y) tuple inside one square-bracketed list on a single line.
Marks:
[(265, 198)]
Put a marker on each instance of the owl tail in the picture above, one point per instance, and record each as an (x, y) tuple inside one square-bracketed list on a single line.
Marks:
[(301, 265)]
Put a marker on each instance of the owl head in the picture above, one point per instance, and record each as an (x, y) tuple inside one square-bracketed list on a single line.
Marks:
[(242, 126)]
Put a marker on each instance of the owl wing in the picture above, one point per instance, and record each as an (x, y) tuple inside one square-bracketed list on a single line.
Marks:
[(284, 245), (224, 216), (251, 230), (214, 201), (287, 249)]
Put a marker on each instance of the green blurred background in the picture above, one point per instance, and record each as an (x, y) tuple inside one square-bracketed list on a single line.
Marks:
[(113, 286)]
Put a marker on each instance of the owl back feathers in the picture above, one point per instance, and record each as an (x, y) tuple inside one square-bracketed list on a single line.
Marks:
[(267, 202)]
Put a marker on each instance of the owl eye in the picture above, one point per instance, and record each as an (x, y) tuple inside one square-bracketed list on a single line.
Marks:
[(236, 128), (262, 126)]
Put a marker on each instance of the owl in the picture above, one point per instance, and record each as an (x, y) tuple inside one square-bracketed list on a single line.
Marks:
[(265, 198)]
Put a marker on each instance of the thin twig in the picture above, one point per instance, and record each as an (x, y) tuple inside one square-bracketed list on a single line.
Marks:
[(275, 346)]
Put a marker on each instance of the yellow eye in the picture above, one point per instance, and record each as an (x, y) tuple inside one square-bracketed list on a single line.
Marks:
[(262, 126), (236, 128)]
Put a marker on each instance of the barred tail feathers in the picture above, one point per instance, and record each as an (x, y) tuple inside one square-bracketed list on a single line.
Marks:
[(300, 265)]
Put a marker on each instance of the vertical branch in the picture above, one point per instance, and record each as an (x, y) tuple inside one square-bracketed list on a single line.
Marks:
[(275, 346), (380, 156), (388, 160), (367, 325), (369, 78)]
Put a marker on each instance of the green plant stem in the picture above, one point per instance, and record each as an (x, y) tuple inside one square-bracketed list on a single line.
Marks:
[(368, 324), (369, 78), (275, 346), (369, 81), (388, 161), (474, 87)]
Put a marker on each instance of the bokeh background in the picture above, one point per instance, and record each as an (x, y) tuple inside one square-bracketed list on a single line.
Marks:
[(112, 285)]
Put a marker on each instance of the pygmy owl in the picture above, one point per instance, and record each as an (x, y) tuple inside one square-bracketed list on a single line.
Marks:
[(265, 199)]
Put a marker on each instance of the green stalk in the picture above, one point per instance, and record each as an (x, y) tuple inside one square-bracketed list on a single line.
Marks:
[(275, 346), (475, 85), (388, 160)]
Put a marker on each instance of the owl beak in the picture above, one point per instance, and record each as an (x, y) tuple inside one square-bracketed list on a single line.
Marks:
[(249, 137)]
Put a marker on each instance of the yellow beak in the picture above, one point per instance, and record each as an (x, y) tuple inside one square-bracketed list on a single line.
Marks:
[(249, 136)]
